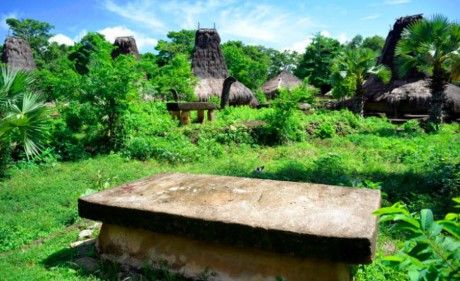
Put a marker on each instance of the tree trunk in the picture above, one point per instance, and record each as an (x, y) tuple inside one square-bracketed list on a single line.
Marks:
[(359, 100), (437, 85)]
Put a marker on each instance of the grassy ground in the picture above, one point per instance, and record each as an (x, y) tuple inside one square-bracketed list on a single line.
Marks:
[(38, 203)]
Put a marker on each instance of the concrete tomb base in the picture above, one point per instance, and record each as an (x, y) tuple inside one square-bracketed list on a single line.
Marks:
[(193, 259), (236, 228)]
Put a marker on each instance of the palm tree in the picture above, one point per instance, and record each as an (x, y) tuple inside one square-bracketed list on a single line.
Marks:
[(432, 47), (21, 111), (350, 70)]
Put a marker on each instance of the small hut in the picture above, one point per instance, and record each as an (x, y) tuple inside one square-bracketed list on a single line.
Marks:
[(209, 66), (284, 79), (18, 54), (125, 46), (404, 96)]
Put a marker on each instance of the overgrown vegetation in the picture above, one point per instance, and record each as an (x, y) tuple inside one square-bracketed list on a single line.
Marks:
[(110, 125)]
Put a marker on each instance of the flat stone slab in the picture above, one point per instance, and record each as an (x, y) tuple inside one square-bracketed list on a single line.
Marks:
[(177, 106), (301, 219)]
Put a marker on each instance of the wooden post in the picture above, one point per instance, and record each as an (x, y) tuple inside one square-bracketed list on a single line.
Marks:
[(211, 115), (185, 117), (175, 115), (201, 119)]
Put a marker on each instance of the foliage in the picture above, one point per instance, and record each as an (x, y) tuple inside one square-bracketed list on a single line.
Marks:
[(317, 61), (22, 114), (37, 33), (428, 253), (286, 60), (248, 64), (431, 46), (284, 122), (181, 43), (85, 50), (349, 71), (177, 75), (375, 43)]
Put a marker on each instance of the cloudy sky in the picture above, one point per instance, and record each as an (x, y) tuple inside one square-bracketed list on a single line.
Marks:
[(284, 24)]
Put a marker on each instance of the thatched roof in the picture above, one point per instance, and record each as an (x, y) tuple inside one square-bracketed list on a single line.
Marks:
[(208, 60), (388, 51), (125, 46), (208, 64), (410, 94), (415, 92), (283, 79), (18, 54), (239, 94)]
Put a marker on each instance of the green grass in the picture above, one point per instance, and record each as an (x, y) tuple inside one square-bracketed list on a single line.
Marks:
[(38, 203)]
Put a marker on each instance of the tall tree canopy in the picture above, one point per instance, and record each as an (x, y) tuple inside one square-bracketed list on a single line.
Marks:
[(248, 64), (180, 42), (432, 46), (34, 31), (317, 61)]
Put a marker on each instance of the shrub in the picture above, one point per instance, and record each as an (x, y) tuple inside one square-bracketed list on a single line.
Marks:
[(432, 250)]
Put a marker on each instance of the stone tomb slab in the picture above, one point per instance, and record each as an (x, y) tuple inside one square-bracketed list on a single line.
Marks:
[(319, 228)]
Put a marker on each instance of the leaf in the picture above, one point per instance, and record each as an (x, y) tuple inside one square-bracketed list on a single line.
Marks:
[(426, 219), (408, 219), (390, 210), (451, 227), (451, 217)]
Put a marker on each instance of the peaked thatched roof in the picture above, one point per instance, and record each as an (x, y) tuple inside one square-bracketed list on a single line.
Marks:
[(208, 60), (283, 79), (126, 46), (208, 64), (18, 54), (388, 51)]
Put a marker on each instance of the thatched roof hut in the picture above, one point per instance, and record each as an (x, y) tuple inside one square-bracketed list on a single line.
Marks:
[(407, 95), (284, 79), (125, 46), (208, 64), (18, 54)]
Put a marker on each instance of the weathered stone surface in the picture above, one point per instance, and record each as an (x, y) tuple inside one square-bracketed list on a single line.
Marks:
[(88, 264), (176, 106), (193, 258), (85, 234), (306, 220)]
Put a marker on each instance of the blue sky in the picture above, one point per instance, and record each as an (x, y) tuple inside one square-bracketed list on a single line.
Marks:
[(277, 24)]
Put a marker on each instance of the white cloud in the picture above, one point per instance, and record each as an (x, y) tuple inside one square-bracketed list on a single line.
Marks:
[(396, 2), (3, 18), (80, 35), (300, 46), (258, 23), (371, 17), (325, 33), (342, 38), (138, 11), (143, 42), (61, 39)]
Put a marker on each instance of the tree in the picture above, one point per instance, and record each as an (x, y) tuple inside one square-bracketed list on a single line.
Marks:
[(37, 33), (21, 113), (355, 42), (181, 42), (248, 64), (286, 60), (351, 68), (89, 45), (177, 74), (375, 43), (317, 61), (432, 47)]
